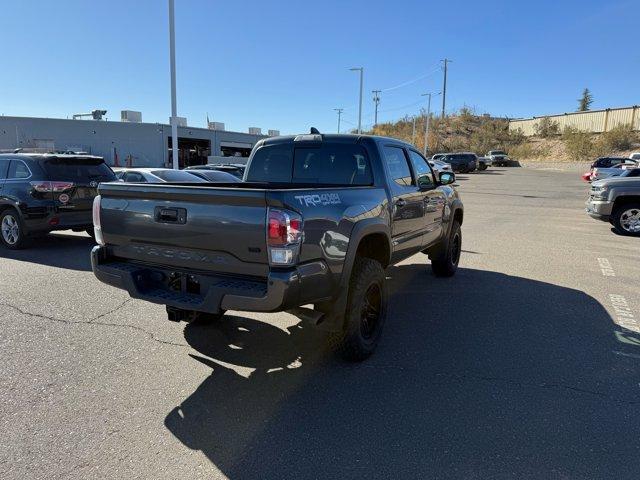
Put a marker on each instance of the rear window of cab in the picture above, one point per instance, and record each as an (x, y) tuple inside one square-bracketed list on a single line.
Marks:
[(324, 164)]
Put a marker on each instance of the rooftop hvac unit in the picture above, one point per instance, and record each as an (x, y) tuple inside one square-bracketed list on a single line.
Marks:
[(130, 116), (216, 126), (255, 130), (274, 133), (180, 121)]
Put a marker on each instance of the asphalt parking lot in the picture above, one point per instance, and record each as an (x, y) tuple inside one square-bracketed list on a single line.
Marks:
[(523, 365)]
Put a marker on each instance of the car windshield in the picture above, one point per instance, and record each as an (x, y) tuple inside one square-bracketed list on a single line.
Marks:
[(215, 176), (497, 152), (632, 172), (177, 176), (78, 169)]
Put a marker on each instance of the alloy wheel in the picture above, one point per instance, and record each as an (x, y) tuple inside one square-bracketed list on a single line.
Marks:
[(10, 229), (630, 220)]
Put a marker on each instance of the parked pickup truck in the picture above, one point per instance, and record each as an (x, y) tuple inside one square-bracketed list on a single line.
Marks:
[(617, 200), (499, 158), (310, 231)]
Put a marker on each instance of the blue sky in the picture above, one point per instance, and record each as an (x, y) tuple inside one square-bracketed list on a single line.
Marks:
[(285, 64)]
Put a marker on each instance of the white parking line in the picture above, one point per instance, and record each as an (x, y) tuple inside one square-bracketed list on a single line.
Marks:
[(606, 268), (624, 315)]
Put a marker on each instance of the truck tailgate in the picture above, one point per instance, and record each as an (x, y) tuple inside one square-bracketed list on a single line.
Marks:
[(206, 228)]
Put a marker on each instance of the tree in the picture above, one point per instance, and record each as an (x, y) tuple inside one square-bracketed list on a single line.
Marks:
[(586, 101)]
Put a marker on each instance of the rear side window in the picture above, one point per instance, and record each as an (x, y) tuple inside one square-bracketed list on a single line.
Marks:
[(397, 165), (332, 164), (78, 169), (271, 164), (18, 170)]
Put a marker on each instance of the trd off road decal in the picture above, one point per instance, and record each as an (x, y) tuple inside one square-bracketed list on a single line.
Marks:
[(322, 199)]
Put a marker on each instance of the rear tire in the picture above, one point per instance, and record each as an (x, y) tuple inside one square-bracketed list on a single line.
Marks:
[(446, 265), (11, 230), (626, 219), (366, 311), (482, 167)]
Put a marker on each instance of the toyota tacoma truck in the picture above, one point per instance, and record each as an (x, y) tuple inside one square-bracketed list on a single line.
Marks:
[(310, 231)]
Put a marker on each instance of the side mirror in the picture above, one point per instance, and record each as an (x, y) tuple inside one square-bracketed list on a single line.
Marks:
[(447, 178)]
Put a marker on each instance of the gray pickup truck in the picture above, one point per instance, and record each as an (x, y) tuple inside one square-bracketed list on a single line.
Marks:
[(617, 200), (309, 231)]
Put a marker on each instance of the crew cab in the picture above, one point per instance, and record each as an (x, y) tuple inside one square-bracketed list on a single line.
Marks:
[(310, 231), (40, 193)]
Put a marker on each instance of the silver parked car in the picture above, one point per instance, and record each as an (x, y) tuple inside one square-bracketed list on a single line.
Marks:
[(155, 175)]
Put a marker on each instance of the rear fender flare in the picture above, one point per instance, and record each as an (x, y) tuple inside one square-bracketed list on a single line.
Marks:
[(360, 230)]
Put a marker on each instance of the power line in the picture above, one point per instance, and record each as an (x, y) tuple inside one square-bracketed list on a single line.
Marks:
[(409, 82)]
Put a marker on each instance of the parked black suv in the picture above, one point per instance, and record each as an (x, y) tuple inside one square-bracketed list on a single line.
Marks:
[(608, 162), (461, 162), (40, 193)]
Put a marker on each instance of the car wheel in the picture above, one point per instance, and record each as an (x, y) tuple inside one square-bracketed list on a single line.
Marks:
[(447, 264), (482, 167), (366, 311), (11, 230), (626, 219)]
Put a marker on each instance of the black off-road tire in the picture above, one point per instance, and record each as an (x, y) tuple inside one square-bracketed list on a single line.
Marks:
[(367, 294), (620, 214), (14, 238), (447, 263), (482, 167)]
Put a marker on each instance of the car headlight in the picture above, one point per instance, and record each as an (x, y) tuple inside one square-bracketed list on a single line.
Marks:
[(600, 192)]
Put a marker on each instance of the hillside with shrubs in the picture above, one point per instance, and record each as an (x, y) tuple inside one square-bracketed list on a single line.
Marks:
[(467, 131)]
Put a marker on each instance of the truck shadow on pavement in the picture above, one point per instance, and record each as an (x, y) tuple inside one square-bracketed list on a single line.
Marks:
[(55, 250), (483, 375)]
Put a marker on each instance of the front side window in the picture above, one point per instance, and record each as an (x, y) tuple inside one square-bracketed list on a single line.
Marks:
[(424, 175), (18, 170), (397, 165)]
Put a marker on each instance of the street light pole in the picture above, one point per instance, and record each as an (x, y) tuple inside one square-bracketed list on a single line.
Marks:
[(426, 123), (174, 107), (339, 110), (361, 69)]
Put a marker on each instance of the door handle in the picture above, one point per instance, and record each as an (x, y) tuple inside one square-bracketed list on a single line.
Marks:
[(401, 202)]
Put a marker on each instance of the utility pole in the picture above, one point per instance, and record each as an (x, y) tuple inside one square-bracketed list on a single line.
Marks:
[(339, 110), (376, 100), (444, 85), (426, 123), (361, 70), (413, 134), (174, 107)]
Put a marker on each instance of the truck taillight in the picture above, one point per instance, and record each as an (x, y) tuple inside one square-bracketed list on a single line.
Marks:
[(47, 186), (97, 225), (284, 235)]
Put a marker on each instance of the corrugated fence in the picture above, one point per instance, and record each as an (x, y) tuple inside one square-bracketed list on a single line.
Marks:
[(595, 121)]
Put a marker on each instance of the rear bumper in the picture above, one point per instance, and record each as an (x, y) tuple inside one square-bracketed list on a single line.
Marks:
[(282, 290), (47, 219), (599, 209)]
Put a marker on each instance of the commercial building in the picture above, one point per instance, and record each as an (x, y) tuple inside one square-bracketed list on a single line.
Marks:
[(129, 142)]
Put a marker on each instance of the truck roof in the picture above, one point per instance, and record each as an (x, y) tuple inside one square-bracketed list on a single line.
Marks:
[(329, 137)]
